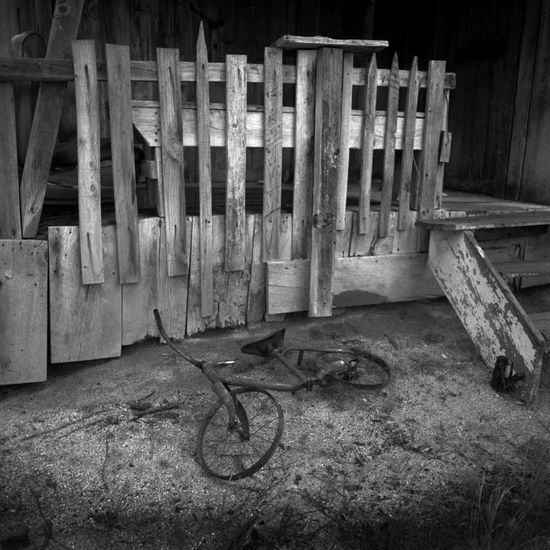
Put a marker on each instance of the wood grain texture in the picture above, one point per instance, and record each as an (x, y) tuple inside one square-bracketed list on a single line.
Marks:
[(256, 307), (292, 42), (328, 105), (343, 159), (303, 153), (235, 221), (407, 158), (273, 152), (488, 221), (205, 176), (85, 320), (389, 149), (172, 160), (147, 121), (122, 150), (10, 212), (89, 183), (433, 124), (49, 104), (23, 311), (367, 145), (489, 311), (364, 280), (56, 70)]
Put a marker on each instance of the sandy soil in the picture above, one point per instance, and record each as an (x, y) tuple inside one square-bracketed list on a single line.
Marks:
[(77, 470)]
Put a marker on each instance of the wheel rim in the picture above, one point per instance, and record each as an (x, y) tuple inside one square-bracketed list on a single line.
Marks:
[(234, 454), (360, 369)]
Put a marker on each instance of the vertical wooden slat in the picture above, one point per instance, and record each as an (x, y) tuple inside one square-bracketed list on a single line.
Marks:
[(172, 159), (367, 145), (389, 149), (47, 114), (407, 156), (89, 184), (23, 311), (10, 217), (328, 105), (256, 289), (205, 176), (433, 122), (303, 153), (443, 149), (235, 217), (273, 151), (343, 164), (122, 149)]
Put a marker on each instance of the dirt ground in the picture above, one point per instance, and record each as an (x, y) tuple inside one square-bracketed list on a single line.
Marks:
[(355, 469)]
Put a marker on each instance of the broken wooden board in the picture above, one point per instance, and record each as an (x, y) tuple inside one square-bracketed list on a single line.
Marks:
[(23, 311), (489, 311), (85, 320), (291, 42), (363, 280)]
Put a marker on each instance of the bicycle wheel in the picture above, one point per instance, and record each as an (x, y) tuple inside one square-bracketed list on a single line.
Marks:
[(361, 368), (232, 454)]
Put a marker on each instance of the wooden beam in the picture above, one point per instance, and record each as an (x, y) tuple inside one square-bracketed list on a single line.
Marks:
[(361, 280), (235, 214), (488, 221), (273, 152), (328, 106), (122, 149), (291, 42), (489, 311), (303, 152), (64, 28), (172, 160), (205, 177), (10, 212), (89, 183)]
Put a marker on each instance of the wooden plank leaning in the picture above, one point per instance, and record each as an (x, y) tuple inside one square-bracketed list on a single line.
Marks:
[(172, 160), (303, 153), (122, 150), (273, 152), (10, 212), (367, 145), (389, 149), (45, 124), (205, 177), (343, 159), (328, 105), (433, 124), (89, 183), (235, 216), (407, 158)]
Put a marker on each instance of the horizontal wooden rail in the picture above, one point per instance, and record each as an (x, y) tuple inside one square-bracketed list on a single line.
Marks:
[(146, 120), (60, 70)]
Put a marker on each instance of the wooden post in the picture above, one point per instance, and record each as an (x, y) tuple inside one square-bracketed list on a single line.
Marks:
[(122, 149), (367, 145), (171, 133), (273, 152), (328, 105), (66, 19), (10, 217), (235, 215), (303, 153), (89, 184), (205, 176)]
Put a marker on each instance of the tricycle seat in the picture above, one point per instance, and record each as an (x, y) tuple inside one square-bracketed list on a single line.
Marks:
[(265, 346)]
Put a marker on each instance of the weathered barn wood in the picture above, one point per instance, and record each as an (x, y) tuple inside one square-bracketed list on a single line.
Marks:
[(122, 148), (66, 19), (89, 182), (23, 311)]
